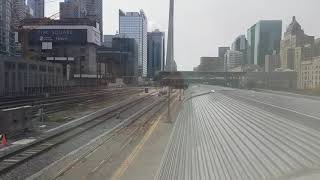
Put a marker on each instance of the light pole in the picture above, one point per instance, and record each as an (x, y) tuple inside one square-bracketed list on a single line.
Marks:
[(169, 99)]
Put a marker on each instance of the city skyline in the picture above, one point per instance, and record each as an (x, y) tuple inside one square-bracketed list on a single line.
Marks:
[(212, 36)]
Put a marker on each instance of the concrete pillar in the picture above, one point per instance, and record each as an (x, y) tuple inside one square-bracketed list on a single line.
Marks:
[(1, 78)]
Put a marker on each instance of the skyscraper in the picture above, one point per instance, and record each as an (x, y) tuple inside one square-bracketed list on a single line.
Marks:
[(134, 25), (128, 58), (156, 53), (170, 61), (240, 44), (251, 44), (293, 37), (6, 33), (91, 9), (272, 62), (296, 47), (222, 51), (19, 12), (70, 9), (36, 8), (263, 38), (233, 59)]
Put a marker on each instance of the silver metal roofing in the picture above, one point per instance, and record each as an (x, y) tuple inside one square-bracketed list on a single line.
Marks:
[(216, 137)]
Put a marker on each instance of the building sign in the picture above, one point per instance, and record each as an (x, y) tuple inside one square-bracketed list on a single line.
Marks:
[(58, 36), (46, 45), (94, 36)]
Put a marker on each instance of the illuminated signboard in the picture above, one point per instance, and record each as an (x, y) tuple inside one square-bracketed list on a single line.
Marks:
[(58, 36)]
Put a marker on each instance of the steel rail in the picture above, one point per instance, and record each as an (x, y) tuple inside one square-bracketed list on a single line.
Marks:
[(58, 106), (13, 159), (153, 109), (38, 101)]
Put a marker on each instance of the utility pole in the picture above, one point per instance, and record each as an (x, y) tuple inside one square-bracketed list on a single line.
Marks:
[(169, 97), (105, 74), (226, 70), (80, 70), (97, 73)]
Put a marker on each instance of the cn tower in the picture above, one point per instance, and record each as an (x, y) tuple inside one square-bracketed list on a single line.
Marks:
[(170, 62)]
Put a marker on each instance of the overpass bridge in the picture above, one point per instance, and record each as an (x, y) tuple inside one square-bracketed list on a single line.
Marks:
[(182, 78)]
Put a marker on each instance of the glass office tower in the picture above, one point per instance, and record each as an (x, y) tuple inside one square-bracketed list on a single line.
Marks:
[(156, 53), (263, 38), (134, 25)]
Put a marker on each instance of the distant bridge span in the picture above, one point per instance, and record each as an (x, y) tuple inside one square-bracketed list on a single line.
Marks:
[(180, 78)]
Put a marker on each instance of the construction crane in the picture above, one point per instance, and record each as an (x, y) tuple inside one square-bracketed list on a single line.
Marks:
[(24, 34)]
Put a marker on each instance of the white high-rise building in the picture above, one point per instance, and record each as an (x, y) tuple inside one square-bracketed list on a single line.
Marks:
[(232, 59), (36, 8), (135, 25)]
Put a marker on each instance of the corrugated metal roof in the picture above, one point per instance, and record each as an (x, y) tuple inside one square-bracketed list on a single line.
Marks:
[(216, 137)]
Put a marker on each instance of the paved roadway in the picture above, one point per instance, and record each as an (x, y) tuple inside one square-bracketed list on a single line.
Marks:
[(238, 134)]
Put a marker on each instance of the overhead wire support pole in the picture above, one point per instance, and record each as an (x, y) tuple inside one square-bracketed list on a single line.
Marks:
[(169, 101)]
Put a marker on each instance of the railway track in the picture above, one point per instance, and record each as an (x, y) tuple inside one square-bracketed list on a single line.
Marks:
[(54, 107), (54, 99), (124, 136), (44, 144), (56, 104), (14, 102)]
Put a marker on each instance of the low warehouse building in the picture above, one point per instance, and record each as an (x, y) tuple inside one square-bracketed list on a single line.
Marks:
[(19, 77)]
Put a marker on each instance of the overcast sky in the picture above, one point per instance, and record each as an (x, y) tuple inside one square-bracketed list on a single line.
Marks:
[(201, 26)]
